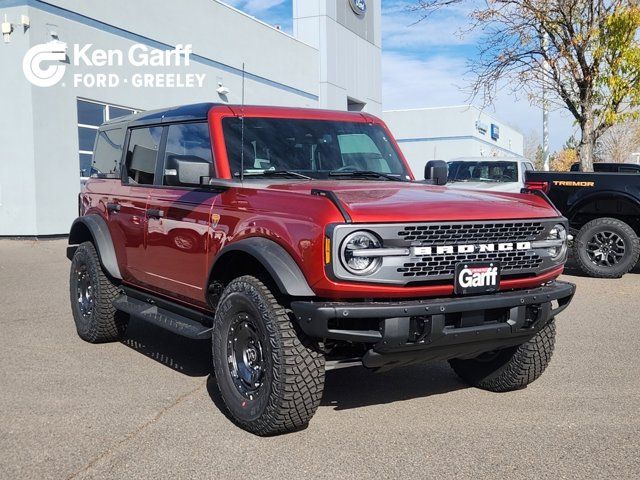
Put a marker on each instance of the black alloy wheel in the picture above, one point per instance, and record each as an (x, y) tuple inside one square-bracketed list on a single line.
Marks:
[(245, 356), (606, 249), (84, 290)]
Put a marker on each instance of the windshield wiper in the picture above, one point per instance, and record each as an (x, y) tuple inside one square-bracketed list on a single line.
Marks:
[(364, 174), (277, 173)]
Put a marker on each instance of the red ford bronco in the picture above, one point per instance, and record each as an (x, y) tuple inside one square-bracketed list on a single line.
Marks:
[(297, 240)]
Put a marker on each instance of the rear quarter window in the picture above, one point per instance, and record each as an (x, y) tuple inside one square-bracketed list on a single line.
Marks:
[(107, 154)]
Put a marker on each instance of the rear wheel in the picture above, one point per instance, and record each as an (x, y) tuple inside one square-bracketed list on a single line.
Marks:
[(92, 293), (270, 377), (606, 248), (510, 368)]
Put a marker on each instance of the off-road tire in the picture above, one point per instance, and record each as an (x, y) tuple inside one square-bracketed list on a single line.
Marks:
[(293, 379), (103, 323), (511, 368), (620, 228)]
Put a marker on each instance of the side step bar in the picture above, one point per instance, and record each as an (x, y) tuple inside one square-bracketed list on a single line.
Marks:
[(164, 318)]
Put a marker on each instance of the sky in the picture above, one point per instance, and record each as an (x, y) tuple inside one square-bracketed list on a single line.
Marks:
[(424, 64)]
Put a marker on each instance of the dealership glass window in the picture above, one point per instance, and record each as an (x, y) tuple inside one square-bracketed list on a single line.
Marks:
[(86, 138), (142, 154), (91, 115), (85, 164), (188, 155)]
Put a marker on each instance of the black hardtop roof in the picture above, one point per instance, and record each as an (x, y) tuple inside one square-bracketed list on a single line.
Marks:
[(200, 111), (194, 111)]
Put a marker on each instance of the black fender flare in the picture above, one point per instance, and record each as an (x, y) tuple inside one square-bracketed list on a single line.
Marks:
[(575, 204), (276, 260), (99, 231)]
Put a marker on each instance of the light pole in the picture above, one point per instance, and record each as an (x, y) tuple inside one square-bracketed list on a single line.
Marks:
[(545, 107)]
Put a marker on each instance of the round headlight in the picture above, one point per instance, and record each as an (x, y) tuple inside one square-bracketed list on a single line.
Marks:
[(558, 234), (353, 253)]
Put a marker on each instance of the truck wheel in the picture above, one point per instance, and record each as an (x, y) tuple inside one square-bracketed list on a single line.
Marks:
[(606, 248), (92, 293), (510, 368), (270, 377)]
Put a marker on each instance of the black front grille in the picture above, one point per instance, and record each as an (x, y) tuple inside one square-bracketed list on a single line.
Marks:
[(471, 233), (444, 265)]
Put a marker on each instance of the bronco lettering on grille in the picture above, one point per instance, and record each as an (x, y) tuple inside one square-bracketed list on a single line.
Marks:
[(481, 248)]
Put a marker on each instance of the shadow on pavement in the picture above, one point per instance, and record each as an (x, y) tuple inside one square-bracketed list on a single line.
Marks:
[(344, 388), (189, 357), (358, 387)]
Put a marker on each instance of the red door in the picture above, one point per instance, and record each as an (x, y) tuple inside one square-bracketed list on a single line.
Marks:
[(178, 238), (128, 206), (127, 225), (179, 214)]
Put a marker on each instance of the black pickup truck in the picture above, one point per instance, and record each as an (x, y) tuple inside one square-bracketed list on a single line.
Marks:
[(603, 210), (610, 167)]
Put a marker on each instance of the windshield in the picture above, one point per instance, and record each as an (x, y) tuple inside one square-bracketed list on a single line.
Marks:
[(479, 171), (312, 149)]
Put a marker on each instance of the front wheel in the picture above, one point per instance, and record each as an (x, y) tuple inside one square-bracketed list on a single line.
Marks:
[(510, 368), (270, 377), (606, 248)]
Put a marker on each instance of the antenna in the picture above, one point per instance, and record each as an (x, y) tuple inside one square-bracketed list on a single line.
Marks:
[(242, 130)]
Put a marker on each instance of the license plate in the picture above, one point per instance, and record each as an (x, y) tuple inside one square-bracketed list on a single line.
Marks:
[(477, 277)]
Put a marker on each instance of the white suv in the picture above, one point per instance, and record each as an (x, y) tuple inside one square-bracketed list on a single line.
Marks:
[(502, 174)]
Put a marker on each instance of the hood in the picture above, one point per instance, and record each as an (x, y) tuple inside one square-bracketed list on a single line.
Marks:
[(513, 187), (374, 201)]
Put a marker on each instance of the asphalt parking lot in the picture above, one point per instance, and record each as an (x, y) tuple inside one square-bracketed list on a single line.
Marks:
[(146, 407)]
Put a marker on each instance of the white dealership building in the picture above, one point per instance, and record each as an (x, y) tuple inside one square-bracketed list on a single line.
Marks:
[(445, 133), (69, 65)]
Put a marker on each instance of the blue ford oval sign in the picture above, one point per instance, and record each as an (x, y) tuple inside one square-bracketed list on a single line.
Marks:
[(359, 6)]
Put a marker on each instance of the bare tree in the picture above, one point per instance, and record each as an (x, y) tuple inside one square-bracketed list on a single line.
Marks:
[(585, 54), (532, 149), (619, 143)]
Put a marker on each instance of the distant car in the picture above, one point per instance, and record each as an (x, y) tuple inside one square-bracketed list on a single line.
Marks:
[(504, 174), (610, 167)]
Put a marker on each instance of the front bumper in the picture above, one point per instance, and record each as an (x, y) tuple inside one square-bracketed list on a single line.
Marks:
[(434, 329)]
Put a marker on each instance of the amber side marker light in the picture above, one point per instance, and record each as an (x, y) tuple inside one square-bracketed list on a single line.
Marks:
[(327, 250)]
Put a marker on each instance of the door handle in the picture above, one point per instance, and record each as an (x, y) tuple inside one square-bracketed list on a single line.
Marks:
[(113, 207), (155, 213)]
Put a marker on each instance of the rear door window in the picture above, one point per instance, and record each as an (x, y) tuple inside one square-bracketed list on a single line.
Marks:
[(142, 154), (108, 153), (188, 160)]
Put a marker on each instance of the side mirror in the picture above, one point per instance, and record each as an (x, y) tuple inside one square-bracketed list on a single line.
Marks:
[(436, 171), (186, 170)]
